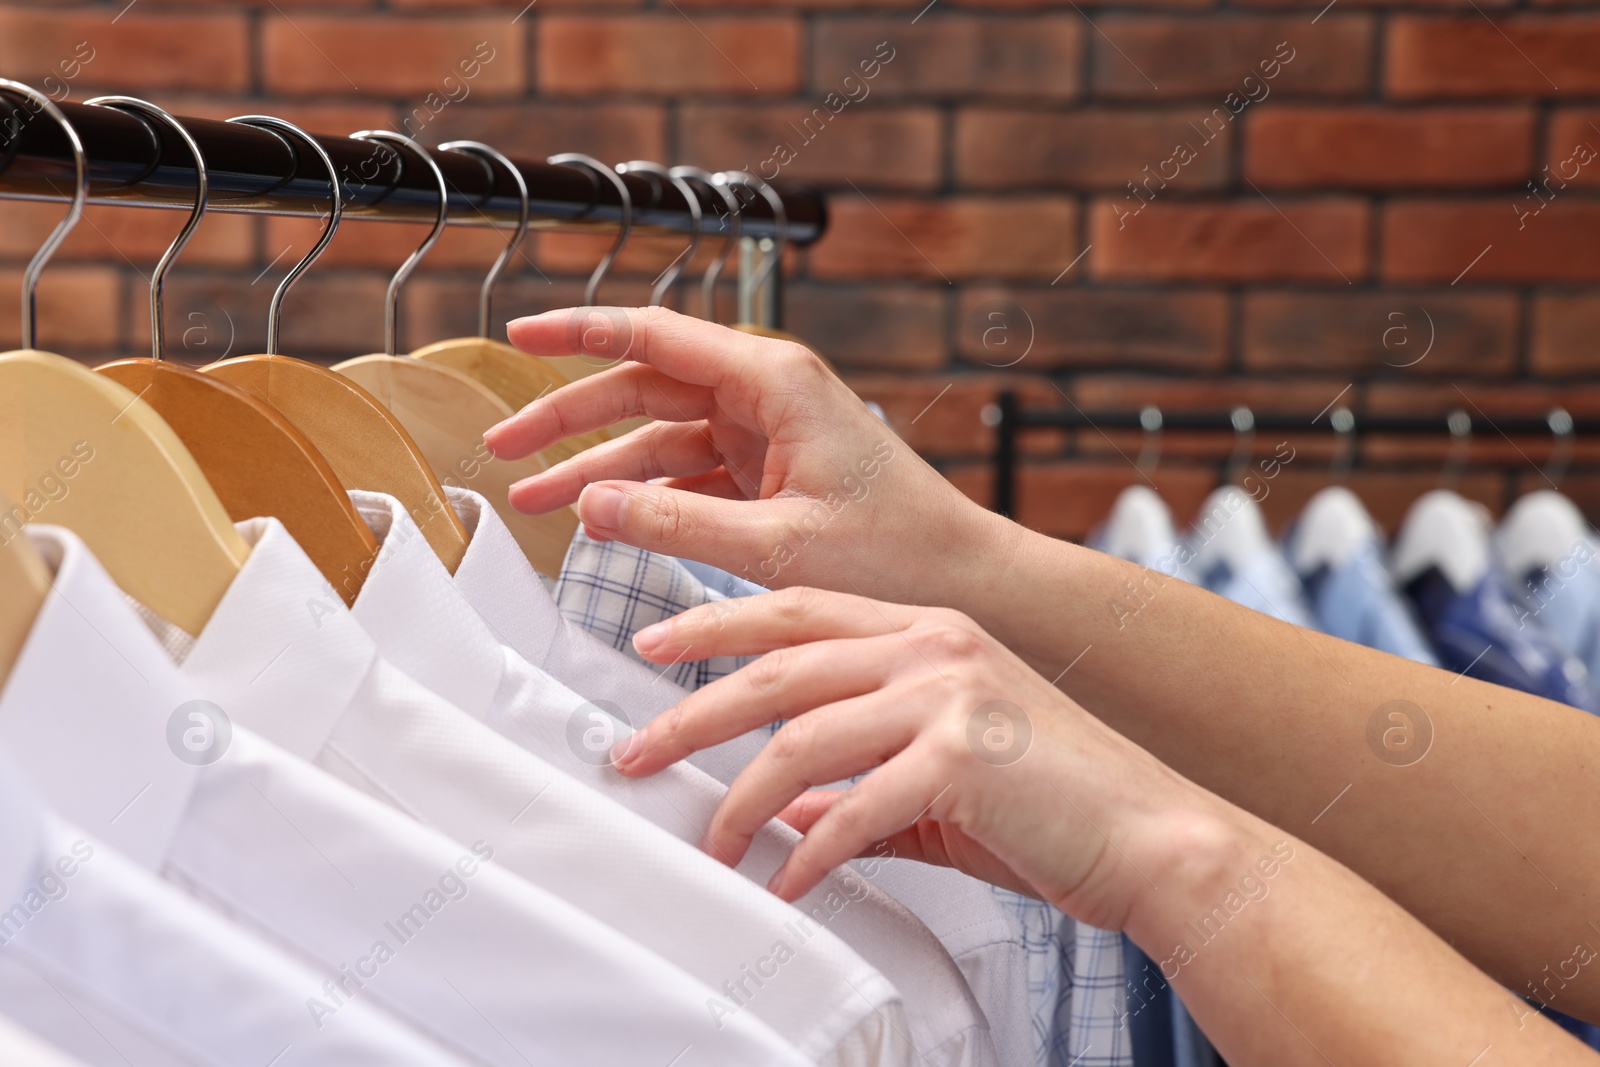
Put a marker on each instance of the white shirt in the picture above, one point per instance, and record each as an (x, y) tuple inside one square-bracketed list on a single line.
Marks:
[(498, 580), (18, 1046), (476, 957), (103, 959), (408, 746)]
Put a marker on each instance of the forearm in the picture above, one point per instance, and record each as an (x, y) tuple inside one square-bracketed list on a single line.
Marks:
[(1283, 956), (1489, 823)]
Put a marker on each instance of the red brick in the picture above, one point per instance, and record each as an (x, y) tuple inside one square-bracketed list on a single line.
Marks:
[(209, 315), (1069, 498), (611, 132), (881, 148), (948, 55), (870, 327), (912, 6), (1313, 6), (1211, 57), (1088, 149), (1324, 239), (965, 237), (1074, 327), (79, 309), (125, 236), (942, 416), (139, 51), (1574, 136), (385, 245), (1381, 148), (1427, 241), (1565, 326), (1512, 55), (336, 119), (1426, 332), (436, 307), (444, 57), (668, 54), (645, 255)]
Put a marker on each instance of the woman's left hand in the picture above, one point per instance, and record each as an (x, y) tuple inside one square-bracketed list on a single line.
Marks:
[(975, 761)]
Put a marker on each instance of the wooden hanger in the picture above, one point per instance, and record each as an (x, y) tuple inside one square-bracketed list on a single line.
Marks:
[(24, 583), (364, 444), (519, 378), (257, 462), (447, 412), (80, 451)]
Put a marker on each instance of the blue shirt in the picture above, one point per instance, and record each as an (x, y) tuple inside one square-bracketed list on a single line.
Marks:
[(1357, 601)]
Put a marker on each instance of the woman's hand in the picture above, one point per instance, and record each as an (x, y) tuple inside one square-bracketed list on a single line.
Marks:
[(976, 761), (772, 469)]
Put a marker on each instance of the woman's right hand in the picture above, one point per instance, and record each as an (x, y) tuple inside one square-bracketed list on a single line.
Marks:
[(769, 466)]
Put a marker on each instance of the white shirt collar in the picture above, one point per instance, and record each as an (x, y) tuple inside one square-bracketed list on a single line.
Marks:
[(497, 579), (307, 655), (87, 708), (420, 621)]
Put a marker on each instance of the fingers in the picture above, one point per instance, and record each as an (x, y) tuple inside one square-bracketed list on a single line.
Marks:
[(689, 349), (591, 403), (785, 684), (713, 483), (652, 451), (887, 801), (826, 745), (774, 620), (673, 522)]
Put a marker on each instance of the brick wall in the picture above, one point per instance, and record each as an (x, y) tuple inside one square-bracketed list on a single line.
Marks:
[(1271, 202)]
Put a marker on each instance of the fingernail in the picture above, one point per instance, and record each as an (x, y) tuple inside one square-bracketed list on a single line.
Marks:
[(650, 638), (775, 883), (625, 751), (601, 507)]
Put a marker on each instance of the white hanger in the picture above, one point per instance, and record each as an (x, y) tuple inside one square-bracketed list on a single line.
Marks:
[(1539, 530), (1231, 530), (1139, 526), (1445, 530), (1333, 525)]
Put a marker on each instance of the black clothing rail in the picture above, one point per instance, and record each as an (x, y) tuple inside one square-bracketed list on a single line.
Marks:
[(1012, 418), (132, 161)]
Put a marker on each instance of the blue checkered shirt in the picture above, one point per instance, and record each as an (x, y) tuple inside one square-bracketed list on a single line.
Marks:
[(1076, 991)]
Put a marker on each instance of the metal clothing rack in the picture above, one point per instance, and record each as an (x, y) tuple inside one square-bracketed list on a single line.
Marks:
[(1010, 418), (252, 170)]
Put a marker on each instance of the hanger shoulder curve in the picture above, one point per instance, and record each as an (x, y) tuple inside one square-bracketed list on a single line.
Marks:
[(24, 583), (446, 412), (366, 446), (258, 463), (81, 451), (519, 379)]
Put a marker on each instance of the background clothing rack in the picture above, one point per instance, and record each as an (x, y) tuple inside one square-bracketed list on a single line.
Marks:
[(1011, 418), (134, 162)]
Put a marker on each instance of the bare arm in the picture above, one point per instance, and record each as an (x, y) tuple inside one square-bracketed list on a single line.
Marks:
[(777, 472), (1282, 954)]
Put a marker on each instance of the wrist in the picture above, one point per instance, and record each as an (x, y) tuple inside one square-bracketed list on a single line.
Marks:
[(1213, 866)]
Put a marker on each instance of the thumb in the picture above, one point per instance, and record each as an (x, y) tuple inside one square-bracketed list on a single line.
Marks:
[(723, 533)]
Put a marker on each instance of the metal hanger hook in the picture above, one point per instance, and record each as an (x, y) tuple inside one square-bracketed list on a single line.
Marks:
[(669, 277), (708, 282), (80, 193), (335, 213), (391, 300), (1561, 428), (1343, 421), (202, 192), (491, 155), (780, 218), (1150, 446), (592, 289), (1459, 423), (1244, 439)]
